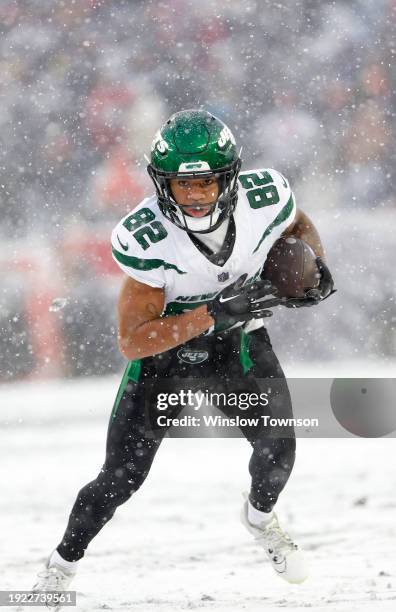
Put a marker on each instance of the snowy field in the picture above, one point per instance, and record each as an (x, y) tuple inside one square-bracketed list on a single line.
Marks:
[(178, 543)]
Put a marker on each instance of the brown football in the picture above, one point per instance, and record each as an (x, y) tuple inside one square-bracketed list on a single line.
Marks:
[(291, 267)]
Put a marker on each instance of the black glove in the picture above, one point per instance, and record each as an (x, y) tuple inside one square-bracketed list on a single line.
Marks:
[(236, 303), (326, 284), (313, 296)]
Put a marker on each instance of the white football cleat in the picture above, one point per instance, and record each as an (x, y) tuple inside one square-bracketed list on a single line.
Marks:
[(55, 579), (286, 558)]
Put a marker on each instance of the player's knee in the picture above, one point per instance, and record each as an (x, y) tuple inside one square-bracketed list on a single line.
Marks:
[(112, 487), (128, 480)]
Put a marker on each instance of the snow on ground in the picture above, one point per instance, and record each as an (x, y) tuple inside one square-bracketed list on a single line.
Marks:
[(178, 543)]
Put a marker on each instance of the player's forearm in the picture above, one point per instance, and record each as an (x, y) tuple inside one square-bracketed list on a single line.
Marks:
[(162, 334), (306, 230)]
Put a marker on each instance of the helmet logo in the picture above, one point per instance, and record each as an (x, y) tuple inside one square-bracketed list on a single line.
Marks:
[(190, 167), (159, 143), (192, 357), (225, 137)]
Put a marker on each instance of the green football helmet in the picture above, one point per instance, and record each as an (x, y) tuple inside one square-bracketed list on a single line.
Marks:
[(195, 144)]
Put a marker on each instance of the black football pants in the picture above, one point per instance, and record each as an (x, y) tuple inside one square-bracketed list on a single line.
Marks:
[(233, 363)]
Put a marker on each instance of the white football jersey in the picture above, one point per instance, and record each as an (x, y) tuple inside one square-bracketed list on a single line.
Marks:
[(151, 249)]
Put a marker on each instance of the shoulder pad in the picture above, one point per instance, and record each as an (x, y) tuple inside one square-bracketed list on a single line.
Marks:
[(264, 187), (136, 244)]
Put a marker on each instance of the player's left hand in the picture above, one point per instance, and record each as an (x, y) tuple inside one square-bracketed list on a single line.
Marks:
[(314, 296), (326, 283)]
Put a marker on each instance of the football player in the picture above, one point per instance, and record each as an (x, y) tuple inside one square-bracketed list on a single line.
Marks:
[(191, 317)]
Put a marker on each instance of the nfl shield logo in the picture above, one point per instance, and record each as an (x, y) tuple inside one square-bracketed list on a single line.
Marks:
[(223, 277)]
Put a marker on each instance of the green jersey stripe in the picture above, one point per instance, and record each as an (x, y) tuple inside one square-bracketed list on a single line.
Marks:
[(144, 264), (282, 216)]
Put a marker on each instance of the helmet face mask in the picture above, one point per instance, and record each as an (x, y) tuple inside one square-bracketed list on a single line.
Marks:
[(222, 208), (194, 144)]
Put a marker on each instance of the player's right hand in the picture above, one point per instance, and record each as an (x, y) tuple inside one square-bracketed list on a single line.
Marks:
[(238, 302)]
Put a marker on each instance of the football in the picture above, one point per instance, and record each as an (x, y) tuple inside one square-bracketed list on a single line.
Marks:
[(291, 267)]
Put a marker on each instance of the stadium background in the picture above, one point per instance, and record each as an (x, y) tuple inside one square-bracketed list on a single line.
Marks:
[(307, 88)]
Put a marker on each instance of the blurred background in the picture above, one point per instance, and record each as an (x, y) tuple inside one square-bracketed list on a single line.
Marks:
[(307, 87)]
